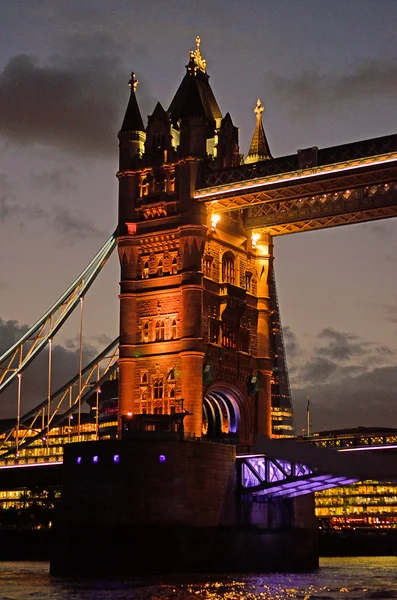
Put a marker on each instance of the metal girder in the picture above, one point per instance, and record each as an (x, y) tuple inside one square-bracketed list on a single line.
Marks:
[(303, 183), (342, 154), (262, 475), (14, 360), (63, 403), (356, 205)]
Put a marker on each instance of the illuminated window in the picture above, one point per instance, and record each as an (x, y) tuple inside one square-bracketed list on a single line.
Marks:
[(248, 280), (158, 389), (160, 330), (228, 334), (174, 266), (160, 267), (145, 332), (144, 186), (173, 329), (228, 272), (207, 265), (171, 182), (213, 331), (145, 270)]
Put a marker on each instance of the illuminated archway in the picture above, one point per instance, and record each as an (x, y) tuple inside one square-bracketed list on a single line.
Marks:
[(225, 412)]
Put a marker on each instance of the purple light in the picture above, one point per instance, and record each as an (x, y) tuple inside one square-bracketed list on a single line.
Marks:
[(78, 460), (95, 459), (162, 458), (116, 458)]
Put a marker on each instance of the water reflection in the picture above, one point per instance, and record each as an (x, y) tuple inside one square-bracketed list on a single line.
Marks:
[(347, 578)]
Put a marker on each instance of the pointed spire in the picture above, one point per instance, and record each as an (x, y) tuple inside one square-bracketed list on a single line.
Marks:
[(259, 149), (133, 120), (194, 97)]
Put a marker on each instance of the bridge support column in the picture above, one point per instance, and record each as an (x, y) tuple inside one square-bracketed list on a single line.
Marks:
[(127, 371), (264, 265), (192, 390)]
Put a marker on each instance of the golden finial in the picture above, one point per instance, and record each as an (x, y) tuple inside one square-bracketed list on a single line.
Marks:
[(196, 60), (258, 110), (133, 82)]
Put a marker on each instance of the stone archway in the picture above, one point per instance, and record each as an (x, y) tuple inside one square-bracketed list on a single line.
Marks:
[(225, 413)]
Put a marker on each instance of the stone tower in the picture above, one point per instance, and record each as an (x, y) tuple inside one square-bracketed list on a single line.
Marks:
[(195, 309)]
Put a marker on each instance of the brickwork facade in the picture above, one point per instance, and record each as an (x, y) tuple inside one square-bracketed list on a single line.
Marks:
[(194, 298)]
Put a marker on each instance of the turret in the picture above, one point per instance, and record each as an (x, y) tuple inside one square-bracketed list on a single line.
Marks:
[(194, 110), (132, 133)]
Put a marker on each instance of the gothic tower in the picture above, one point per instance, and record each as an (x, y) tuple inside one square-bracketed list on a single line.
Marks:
[(195, 298)]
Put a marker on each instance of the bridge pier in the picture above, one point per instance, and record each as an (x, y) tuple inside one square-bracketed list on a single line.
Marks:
[(160, 506)]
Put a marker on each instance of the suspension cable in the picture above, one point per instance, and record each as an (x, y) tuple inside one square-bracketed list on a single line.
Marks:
[(33, 341)]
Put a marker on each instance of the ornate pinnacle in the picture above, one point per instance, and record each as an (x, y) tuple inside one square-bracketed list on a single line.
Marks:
[(133, 82), (258, 110), (197, 62)]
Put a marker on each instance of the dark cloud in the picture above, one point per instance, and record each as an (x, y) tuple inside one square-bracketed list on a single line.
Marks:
[(7, 208), (340, 346), (317, 370), (101, 340), (70, 224), (290, 341), (350, 382), (65, 365), (368, 399), (314, 89), (77, 105), (56, 181), (10, 332)]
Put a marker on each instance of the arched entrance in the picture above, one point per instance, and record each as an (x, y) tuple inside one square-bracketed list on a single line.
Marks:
[(224, 412)]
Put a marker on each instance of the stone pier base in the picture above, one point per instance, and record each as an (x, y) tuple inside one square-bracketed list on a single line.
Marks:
[(153, 506)]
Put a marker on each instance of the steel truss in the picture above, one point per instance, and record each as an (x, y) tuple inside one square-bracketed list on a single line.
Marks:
[(357, 205), (16, 359), (260, 475), (32, 426)]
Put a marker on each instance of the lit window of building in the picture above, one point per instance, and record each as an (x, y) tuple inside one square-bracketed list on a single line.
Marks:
[(228, 271), (160, 330), (173, 329), (158, 389)]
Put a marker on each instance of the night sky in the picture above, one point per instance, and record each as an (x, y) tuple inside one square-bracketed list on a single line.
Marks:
[(326, 73)]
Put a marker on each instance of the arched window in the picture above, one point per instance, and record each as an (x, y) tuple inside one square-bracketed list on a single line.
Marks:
[(160, 330), (171, 182), (160, 267), (207, 265), (228, 273), (172, 392), (173, 329), (145, 332), (174, 266), (158, 389), (144, 186), (144, 377), (229, 334), (145, 270), (248, 280)]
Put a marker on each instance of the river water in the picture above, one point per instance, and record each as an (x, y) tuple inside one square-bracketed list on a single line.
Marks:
[(337, 578)]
